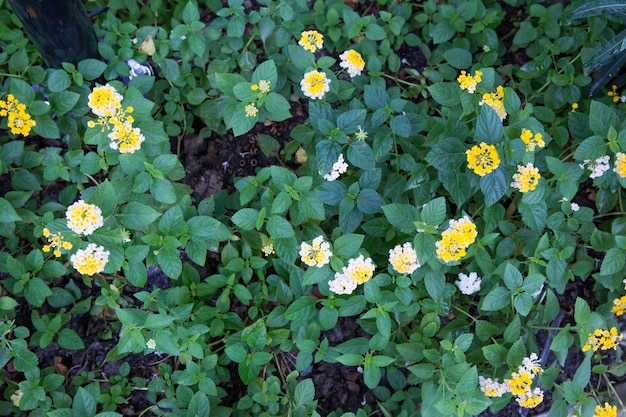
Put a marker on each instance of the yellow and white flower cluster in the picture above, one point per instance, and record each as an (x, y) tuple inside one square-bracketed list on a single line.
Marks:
[(91, 260), (519, 385), (495, 101), (602, 339), (403, 258), (317, 253), (353, 62), (532, 141), (468, 82), (526, 178), (83, 218), (482, 158), (358, 271), (106, 103), (455, 240), (56, 243), (315, 84)]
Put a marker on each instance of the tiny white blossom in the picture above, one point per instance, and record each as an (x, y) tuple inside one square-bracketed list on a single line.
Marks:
[(342, 284), (339, 168), (151, 344), (574, 207), (597, 167), (468, 284)]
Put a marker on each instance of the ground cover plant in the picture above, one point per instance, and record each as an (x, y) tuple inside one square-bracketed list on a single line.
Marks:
[(414, 209)]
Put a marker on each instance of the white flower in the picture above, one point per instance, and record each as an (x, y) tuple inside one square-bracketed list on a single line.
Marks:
[(491, 387), (574, 207), (317, 254), (597, 167), (151, 344), (468, 285), (339, 168), (531, 365), (342, 284)]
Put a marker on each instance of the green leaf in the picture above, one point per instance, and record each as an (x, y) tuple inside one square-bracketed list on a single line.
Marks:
[(423, 371), (84, 403), (488, 126), (494, 185), (59, 80), (402, 216), (434, 212), (349, 121), (582, 312), (69, 339), (91, 68), (199, 405), (613, 262), (190, 13), (63, 101), (7, 212), (496, 299), (279, 227), (350, 359), (360, 155), (304, 393), (169, 260), (246, 218), (401, 125), (523, 303), (36, 292), (302, 309), (374, 32), (138, 216), (446, 93), (347, 246), (458, 58), (277, 106)]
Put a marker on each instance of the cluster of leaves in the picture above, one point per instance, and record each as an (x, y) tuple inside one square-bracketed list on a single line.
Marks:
[(404, 133)]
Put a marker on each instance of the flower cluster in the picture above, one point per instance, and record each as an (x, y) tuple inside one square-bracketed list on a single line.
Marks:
[(455, 240), (607, 410), (358, 271), (468, 284), (311, 40), (403, 258), (519, 385), (353, 62), (251, 110), (532, 141), (317, 253), (597, 166), (619, 306), (151, 344), (55, 243), (495, 101), (339, 168), (616, 97), (106, 103), (468, 82), (315, 84), (620, 164), (91, 260), (482, 158), (83, 218), (602, 339), (19, 121), (263, 87), (526, 178)]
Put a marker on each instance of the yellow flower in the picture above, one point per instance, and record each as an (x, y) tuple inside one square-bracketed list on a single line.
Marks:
[(494, 100), (126, 138), (602, 339), (574, 107), (19, 121), (317, 253), (55, 243), (520, 383), (311, 40), (315, 84), (251, 110), (83, 218), (469, 83), (620, 165), (531, 399), (360, 269), (619, 306), (353, 62), (613, 93), (459, 235), (91, 260), (482, 158), (607, 410), (532, 141), (526, 178), (105, 101), (403, 258)]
